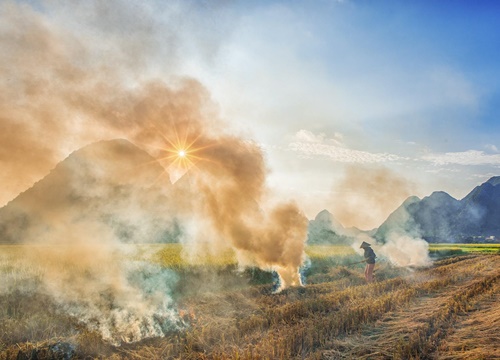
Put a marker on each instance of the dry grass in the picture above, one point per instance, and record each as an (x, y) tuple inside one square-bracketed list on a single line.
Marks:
[(476, 335), (437, 312), (447, 293)]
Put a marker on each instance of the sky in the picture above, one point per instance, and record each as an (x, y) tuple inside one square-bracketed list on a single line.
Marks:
[(356, 104)]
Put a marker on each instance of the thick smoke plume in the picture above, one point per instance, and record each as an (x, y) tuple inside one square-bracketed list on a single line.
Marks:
[(366, 196), (59, 92)]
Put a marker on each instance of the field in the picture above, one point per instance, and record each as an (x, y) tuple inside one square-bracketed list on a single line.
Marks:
[(450, 310)]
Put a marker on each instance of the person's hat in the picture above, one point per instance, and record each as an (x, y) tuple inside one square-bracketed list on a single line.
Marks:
[(364, 244)]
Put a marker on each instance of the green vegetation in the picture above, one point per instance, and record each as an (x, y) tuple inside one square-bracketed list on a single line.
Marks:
[(442, 250)]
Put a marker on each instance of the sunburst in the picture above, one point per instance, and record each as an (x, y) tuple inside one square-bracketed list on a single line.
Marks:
[(182, 153)]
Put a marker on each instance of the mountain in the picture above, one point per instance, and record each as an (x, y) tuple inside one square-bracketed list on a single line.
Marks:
[(108, 187), (480, 214), (400, 219), (442, 218), (325, 229)]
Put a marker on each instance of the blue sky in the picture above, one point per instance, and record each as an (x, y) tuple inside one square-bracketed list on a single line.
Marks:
[(405, 86), (331, 89)]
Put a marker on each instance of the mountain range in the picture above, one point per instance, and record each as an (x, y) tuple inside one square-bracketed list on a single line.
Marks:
[(441, 218), (324, 229), (116, 186), (108, 187), (437, 218)]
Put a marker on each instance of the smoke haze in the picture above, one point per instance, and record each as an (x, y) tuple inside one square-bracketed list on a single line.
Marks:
[(400, 244), (367, 195), (58, 93), (400, 249)]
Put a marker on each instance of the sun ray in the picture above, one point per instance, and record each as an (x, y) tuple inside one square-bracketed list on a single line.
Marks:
[(180, 151), (195, 139), (162, 174)]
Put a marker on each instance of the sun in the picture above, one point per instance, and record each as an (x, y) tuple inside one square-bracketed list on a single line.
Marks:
[(181, 151)]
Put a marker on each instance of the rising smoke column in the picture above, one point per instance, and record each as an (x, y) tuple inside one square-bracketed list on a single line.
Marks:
[(226, 176), (233, 188)]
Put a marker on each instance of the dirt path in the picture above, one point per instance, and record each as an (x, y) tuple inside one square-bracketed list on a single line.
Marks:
[(456, 321)]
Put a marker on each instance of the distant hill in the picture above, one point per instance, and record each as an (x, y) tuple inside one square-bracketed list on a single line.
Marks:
[(106, 186), (117, 187), (442, 218), (326, 230)]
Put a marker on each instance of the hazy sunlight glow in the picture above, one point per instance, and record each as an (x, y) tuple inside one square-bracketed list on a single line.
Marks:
[(182, 152)]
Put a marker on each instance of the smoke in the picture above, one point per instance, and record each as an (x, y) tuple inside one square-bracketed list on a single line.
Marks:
[(400, 249), (366, 196), (95, 280), (231, 182), (60, 92), (404, 250), (399, 240), (73, 74)]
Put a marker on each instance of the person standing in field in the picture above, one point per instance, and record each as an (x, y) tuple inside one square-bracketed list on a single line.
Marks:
[(370, 261)]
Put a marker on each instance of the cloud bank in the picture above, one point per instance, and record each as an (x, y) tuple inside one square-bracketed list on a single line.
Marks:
[(469, 157), (308, 144)]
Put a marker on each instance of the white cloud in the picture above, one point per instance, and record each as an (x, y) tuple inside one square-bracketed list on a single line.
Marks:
[(308, 136), (469, 157), (485, 176), (308, 145), (491, 148), (340, 154)]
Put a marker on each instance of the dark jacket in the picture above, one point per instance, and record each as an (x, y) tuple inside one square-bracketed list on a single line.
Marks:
[(369, 255)]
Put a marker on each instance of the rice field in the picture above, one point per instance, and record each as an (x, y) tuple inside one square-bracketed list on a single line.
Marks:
[(171, 255), (449, 310), (444, 249)]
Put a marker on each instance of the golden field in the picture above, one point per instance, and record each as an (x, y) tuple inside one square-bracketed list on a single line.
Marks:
[(450, 310)]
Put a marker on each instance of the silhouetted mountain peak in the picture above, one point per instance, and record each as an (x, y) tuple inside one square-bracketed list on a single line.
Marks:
[(483, 191), (325, 229), (438, 199), (324, 216), (109, 183), (440, 217), (410, 200), (441, 195), (495, 180), (119, 160)]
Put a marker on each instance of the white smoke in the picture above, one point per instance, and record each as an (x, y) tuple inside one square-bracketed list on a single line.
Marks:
[(400, 249), (99, 281), (60, 78)]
